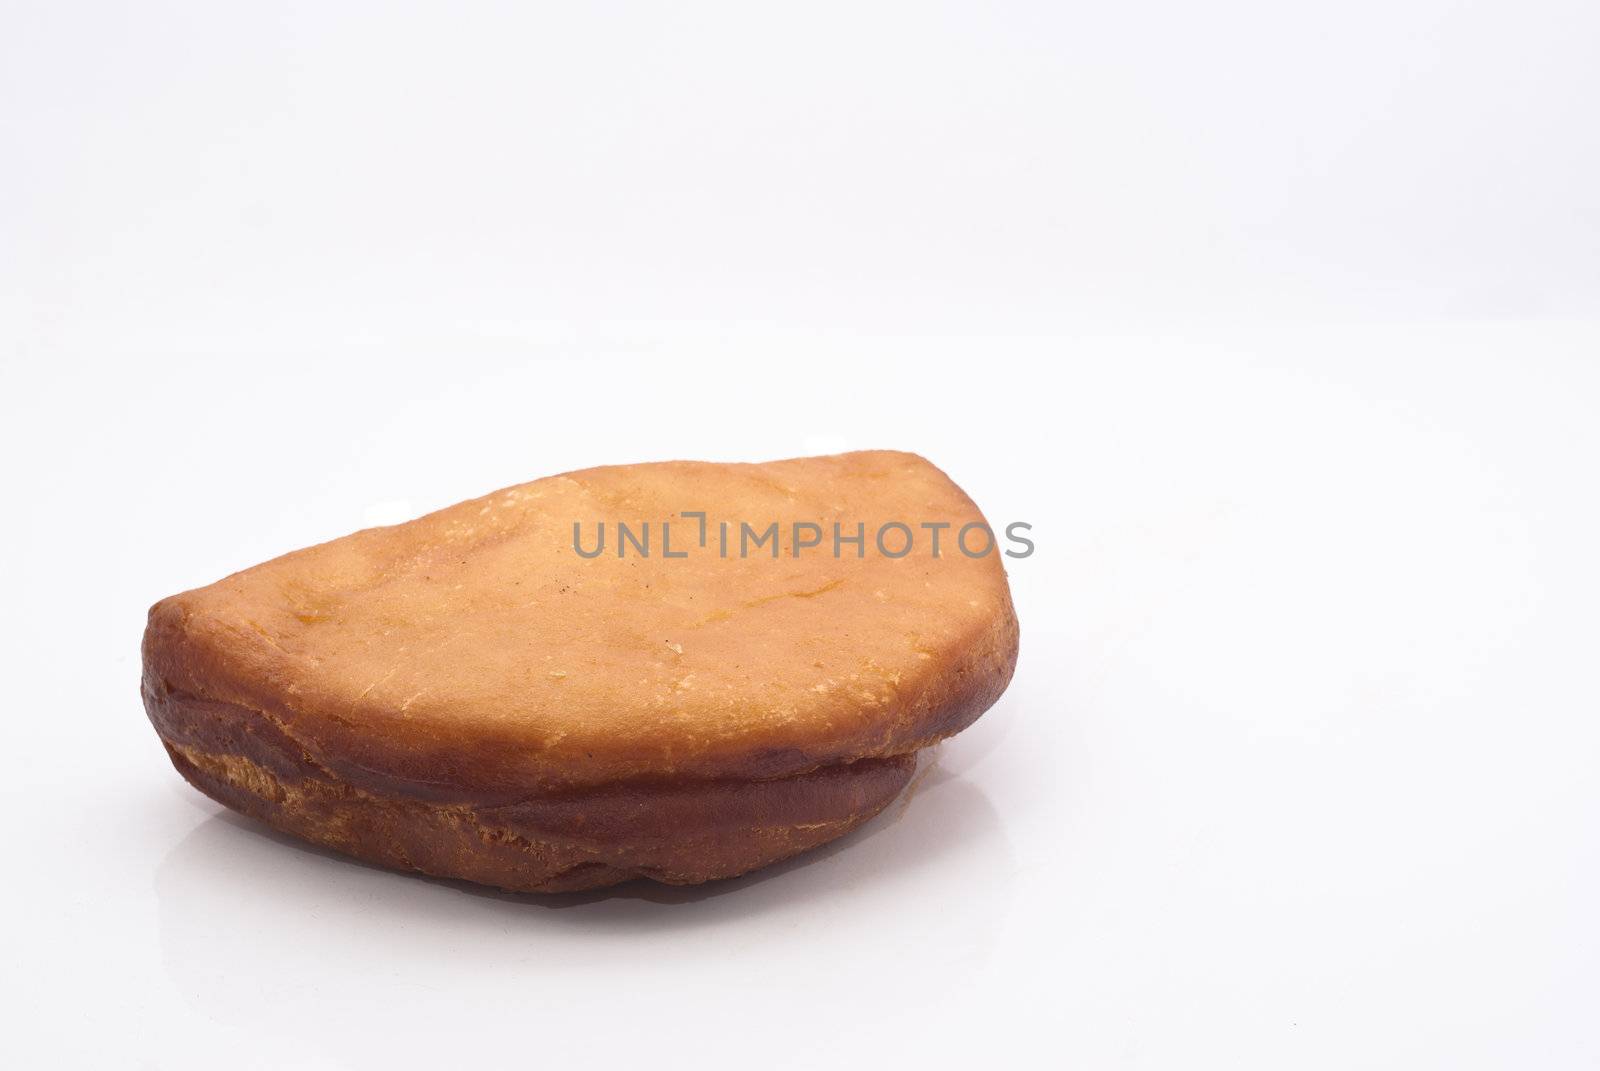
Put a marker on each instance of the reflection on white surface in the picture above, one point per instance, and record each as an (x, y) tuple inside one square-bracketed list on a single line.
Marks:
[(259, 930)]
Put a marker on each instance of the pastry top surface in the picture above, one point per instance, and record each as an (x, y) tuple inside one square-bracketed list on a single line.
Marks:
[(475, 650)]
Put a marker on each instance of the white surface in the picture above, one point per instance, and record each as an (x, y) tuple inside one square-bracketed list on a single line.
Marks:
[(1297, 768)]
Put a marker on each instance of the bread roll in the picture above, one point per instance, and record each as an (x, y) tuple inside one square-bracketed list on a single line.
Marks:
[(483, 694)]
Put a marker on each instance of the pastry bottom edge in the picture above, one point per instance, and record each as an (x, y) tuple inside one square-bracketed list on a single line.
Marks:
[(677, 834)]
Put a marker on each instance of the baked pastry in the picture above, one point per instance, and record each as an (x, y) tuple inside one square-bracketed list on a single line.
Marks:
[(491, 693)]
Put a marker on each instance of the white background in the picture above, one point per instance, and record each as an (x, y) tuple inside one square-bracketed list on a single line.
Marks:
[(1279, 322)]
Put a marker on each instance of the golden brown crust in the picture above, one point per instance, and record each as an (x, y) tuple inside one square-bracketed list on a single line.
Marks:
[(401, 691), (473, 651)]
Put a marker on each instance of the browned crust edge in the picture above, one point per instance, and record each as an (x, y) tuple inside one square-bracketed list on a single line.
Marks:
[(676, 834)]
